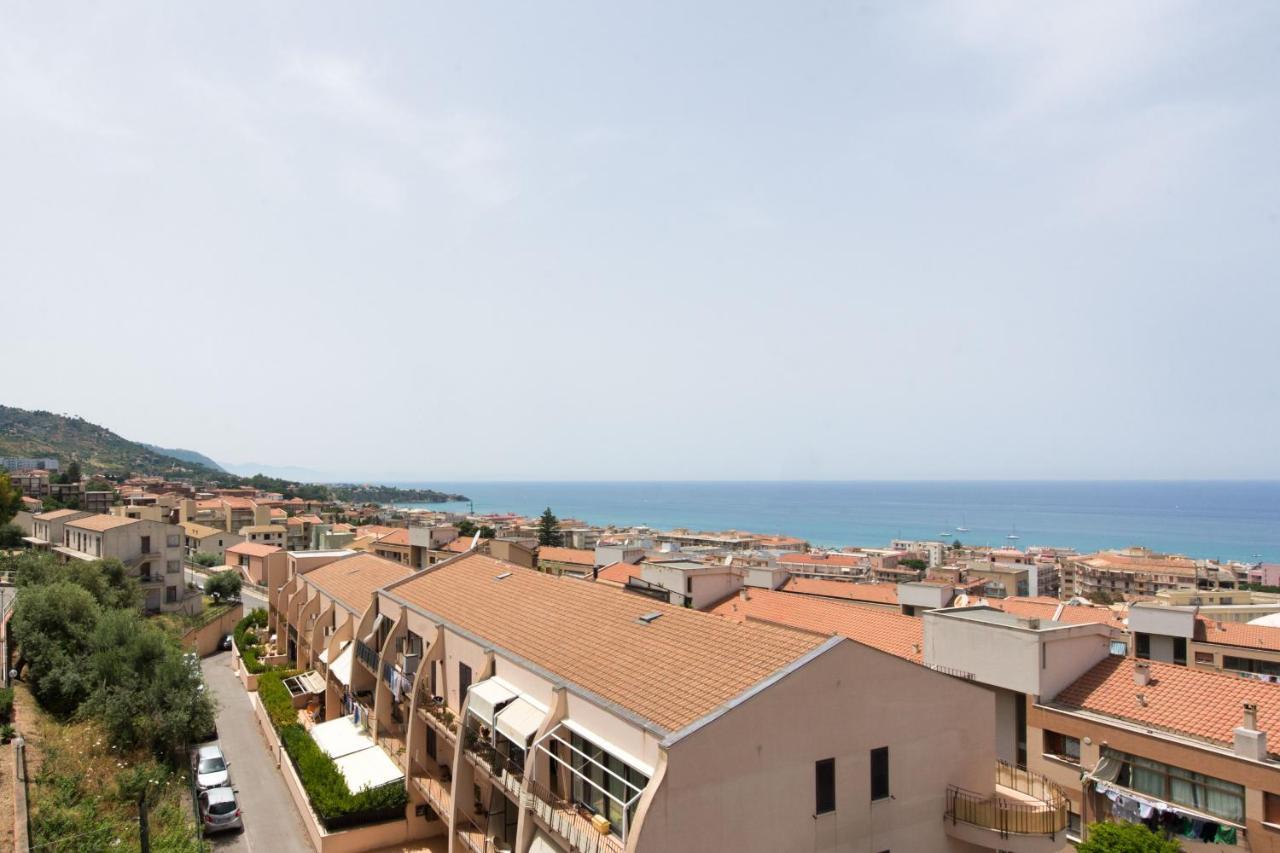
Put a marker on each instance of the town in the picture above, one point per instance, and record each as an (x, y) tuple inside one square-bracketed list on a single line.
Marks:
[(413, 679)]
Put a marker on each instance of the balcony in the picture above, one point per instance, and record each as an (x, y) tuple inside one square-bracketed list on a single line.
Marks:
[(1026, 814), (151, 580), (367, 656), (508, 772), (434, 785), (570, 821), (438, 714)]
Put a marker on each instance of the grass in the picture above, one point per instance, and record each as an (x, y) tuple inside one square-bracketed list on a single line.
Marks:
[(83, 793)]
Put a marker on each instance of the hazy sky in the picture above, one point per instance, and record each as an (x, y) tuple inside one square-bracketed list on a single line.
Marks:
[(659, 240)]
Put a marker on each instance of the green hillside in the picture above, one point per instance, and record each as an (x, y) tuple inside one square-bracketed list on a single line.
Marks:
[(98, 449)]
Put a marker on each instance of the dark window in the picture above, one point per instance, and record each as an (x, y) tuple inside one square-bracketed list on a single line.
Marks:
[(1271, 808), (880, 773), (431, 743), (1142, 645), (1204, 657), (1062, 746), (464, 682), (1020, 723), (1180, 650), (824, 784)]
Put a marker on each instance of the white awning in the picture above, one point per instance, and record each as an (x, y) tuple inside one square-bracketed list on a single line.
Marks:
[(35, 540), (519, 721), (368, 768), (341, 668), (72, 552), (604, 743), (487, 696), (340, 737), (543, 844), (324, 653)]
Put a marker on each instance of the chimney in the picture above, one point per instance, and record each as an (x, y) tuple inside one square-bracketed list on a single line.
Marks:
[(1032, 622), (1141, 673), (1249, 741), (742, 593)]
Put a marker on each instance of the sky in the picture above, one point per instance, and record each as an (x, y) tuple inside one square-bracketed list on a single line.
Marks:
[(728, 240)]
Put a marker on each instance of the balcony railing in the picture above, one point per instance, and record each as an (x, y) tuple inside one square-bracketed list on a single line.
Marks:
[(1032, 784), (570, 821), (439, 713), (367, 656), (506, 770), (1008, 816)]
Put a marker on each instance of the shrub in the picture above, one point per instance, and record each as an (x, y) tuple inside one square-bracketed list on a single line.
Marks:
[(275, 698), (6, 704), (224, 585), (247, 641), (204, 558), (326, 788), (1125, 838)]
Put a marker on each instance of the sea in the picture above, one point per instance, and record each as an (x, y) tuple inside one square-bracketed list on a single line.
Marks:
[(1236, 520)]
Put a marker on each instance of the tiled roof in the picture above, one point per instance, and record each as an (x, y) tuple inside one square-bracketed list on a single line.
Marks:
[(252, 549), (99, 523), (399, 536), (882, 629), (352, 581), (822, 559), (1191, 702), (1237, 634), (1131, 563), (671, 671), (1074, 614), (577, 556), (617, 573), (56, 514), (460, 545), (374, 530), (874, 593), (200, 531)]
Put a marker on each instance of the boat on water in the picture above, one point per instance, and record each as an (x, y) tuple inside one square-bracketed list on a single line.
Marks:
[(1013, 537), (961, 528)]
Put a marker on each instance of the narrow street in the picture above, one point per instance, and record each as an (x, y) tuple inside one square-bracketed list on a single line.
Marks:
[(271, 821)]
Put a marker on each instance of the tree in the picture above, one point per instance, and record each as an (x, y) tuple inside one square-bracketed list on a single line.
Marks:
[(204, 558), (1125, 838), (10, 535), (53, 625), (224, 585), (466, 527), (72, 474), (108, 581), (10, 498), (487, 532), (549, 529), (913, 563)]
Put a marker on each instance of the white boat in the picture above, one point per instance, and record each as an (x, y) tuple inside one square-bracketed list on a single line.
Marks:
[(1014, 535)]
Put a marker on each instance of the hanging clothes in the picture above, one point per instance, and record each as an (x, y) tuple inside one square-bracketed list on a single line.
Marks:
[(1226, 835)]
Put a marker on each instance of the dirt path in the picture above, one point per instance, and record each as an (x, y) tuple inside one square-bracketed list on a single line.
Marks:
[(26, 719)]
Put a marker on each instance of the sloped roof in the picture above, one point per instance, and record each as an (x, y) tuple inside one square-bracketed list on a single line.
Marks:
[(352, 581), (576, 556), (671, 670), (252, 549), (874, 593), (1238, 634), (100, 523)]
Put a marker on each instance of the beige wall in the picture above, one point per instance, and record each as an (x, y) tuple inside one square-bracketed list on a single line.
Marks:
[(746, 780)]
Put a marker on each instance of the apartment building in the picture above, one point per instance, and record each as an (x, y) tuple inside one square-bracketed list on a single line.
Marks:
[(203, 539), (46, 527), (571, 561), (869, 594), (393, 546), (825, 565), (33, 483), (1129, 572), (299, 531), (635, 725), (426, 541), (151, 549), (255, 560), (27, 463), (933, 552), (265, 534), (1180, 635)]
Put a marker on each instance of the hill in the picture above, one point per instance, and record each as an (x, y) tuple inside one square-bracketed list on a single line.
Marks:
[(185, 456), (98, 449)]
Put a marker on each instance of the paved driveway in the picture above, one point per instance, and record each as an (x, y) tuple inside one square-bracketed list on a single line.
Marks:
[(271, 821)]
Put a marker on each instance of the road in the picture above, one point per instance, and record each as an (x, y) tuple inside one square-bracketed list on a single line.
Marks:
[(271, 821), (251, 598)]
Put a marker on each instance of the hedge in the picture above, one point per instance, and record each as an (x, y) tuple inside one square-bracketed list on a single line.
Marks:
[(276, 699), (248, 644)]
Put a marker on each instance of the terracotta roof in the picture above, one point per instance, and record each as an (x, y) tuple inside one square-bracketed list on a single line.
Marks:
[(374, 530), (252, 549), (263, 528), (886, 630), (617, 573), (56, 514), (1237, 634), (670, 671), (460, 545), (99, 523), (399, 536), (352, 581), (1074, 614), (1192, 702), (577, 556), (200, 531), (822, 559), (875, 593), (1133, 563)]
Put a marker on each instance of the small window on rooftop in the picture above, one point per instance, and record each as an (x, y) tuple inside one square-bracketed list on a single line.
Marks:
[(650, 617), (503, 576)]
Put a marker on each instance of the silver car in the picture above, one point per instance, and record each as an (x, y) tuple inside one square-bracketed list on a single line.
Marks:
[(219, 810), (211, 768)]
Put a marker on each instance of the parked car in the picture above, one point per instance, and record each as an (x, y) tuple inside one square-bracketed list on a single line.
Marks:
[(219, 810), (211, 768), (225, 645)]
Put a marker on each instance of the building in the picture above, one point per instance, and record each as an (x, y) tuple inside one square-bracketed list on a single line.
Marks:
[(34, 482), (202, 539), (870, 594), (393, 546), (26, 463), (46, 527), (1130, 572), (273, 535), (1180, 635), (522, 729), (152, 550), (825, 565), (572, 561), (689, 583), (933, 552), (254, 560)]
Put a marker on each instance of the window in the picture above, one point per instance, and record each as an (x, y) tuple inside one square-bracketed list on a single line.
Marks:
[(173, 540), (1180, 650), (1265, 667), (1271, 808), (1062, 746), (146, 544), (1204, 657), (1182, 787), (464, 682), (604, 772), (824, 785), (1142, 645), (1119, 647), (880, 773), (173, 566), (1073, 825), (171, 594)]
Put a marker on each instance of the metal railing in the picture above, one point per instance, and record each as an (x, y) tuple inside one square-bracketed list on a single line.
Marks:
[(440, 712), (1009, 817), (568, 820), (367, 656), (1024, 781)]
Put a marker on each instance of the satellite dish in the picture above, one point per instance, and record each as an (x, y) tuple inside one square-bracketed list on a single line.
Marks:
[(961, 600)]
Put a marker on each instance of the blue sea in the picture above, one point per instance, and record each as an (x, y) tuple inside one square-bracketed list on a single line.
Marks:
[(1221, 519)]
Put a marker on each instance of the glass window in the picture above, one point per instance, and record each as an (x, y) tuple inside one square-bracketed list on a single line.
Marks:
[(824, 783), (1182, 787), (880, 773), (1062, 746)]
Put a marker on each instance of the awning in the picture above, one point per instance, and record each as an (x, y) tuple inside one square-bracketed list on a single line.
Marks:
[(487, 696), (35, 540), (308, 682), (618, 753), (368, 768), (72, 552), (341, 668), (519, 721), (373, 630), (340, 737), (324, 653), (1107, 770)]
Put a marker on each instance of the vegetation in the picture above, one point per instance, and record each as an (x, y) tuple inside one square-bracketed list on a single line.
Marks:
[(185, 456), (1125, 838), (549, 529), (72, 474), (91, 654), (913, 563), (224, 586), (204, 558), (6, 704), (10, 498), (246, 635), (10, 535), (334, 803), (1260, 587), (365, 493)]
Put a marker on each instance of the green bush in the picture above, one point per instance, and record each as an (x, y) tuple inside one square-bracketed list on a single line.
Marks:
[(6, 704), (1125, 838), (247, 641), (327, 790), (275, 698)]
